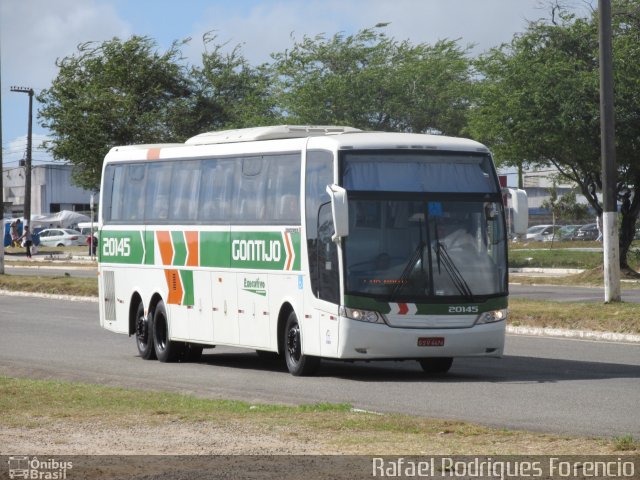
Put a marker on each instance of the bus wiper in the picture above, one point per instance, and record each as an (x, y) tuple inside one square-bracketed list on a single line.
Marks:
[(415, 256), (450, 267)]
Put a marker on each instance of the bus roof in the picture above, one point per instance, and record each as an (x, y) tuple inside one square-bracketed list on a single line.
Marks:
[(403, 141), (275, 132), (294, 137)]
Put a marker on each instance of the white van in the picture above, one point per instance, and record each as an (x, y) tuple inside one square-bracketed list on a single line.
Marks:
[(85, 228)]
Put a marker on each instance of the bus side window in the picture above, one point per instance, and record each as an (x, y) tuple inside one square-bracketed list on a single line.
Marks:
[(283, 189), (157, 194), (184, 191), (118, 185), (249, 197), (216, 189), (133, 193)]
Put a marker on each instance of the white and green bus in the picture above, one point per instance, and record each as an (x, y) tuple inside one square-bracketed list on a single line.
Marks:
[(309, 243)]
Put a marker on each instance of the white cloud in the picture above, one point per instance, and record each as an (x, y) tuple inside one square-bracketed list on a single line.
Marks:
[(37, 32), (34, 33), (266, 27), (16, 150)]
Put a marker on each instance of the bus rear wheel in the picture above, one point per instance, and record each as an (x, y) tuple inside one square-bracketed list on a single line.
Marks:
[(144, 338), (166, 350), (436, 365), (297, 363)]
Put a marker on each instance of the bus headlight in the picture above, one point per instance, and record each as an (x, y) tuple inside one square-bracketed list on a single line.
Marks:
[(492, 316), (368, 316)]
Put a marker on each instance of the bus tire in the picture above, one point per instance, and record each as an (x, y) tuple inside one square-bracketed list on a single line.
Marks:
[(144, 334), (298, 364), (166, 350), (436, 365)]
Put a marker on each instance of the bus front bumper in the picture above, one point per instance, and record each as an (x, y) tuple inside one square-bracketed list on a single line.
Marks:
[(363, 341)]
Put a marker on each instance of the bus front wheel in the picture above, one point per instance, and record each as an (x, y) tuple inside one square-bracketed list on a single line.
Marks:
[(144, 338), (166, 350), (436, 365), (297, 363)]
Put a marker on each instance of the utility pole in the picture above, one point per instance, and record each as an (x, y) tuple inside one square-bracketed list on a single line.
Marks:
[(27, 173), (610, 242)]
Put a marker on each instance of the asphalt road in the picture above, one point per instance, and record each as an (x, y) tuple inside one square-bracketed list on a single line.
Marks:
[(542, 384)]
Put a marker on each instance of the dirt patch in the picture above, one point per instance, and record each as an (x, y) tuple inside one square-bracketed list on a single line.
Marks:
[(67, 438)]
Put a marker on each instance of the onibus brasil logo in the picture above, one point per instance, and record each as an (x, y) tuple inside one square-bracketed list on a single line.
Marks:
[(22, 466)]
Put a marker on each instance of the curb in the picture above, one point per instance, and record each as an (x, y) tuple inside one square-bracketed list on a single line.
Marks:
[(557, 271), (574, 334), (511, 330), (70, 298)]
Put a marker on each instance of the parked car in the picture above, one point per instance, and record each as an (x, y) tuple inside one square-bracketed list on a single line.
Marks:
[(540, 233), (566, 232), (61, 237), (586, 232)]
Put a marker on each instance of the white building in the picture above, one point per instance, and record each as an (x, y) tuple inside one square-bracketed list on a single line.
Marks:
[(51, 190), (537, 184)]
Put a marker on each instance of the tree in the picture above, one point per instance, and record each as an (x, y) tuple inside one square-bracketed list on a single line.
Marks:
[(230, 93), (113, 93), (564, 208), (538, 103), (370, 81)]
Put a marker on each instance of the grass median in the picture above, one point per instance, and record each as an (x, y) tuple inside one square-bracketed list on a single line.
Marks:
[(81, 416)]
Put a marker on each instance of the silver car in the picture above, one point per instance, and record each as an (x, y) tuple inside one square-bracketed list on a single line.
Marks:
[(541, 233), (62, 237)]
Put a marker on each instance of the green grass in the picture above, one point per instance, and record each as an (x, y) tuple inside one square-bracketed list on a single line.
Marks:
[(36, 399), (554, 259), (595, 316), (327, 428), (626, 443), (58, 285)]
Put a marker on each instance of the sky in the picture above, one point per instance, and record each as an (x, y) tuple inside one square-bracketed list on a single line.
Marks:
[(34, 33)]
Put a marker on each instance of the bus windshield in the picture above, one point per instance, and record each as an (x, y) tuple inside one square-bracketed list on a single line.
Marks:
[(414, 239)]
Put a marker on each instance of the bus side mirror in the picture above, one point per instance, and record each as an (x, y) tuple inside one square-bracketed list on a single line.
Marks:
[(520, 210), (339, 210)]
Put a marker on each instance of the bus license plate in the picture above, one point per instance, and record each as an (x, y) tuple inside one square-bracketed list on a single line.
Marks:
[(431, 342)]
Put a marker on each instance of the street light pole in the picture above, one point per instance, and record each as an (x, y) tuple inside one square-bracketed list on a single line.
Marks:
[(27, 173)]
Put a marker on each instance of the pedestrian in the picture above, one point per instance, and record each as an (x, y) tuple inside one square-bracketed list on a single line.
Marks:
[(14, 229), (28, 240), (599, 227)]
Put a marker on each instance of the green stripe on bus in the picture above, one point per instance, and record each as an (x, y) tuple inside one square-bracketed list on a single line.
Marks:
[(279, 250), (149, 248), (295, 239), (215, 249), (179, 248), (187, 284)]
